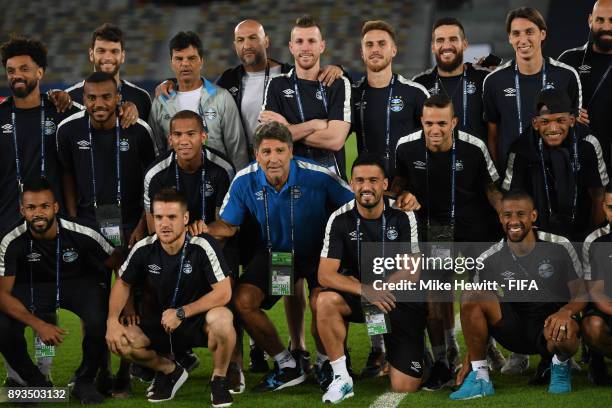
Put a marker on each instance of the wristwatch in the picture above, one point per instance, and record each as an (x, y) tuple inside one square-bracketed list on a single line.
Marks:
[(180, 313)]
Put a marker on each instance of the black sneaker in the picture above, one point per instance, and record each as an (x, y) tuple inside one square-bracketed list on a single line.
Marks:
[(324, 375), (188, 360), (87, 393), (542, 374), (220, 395), (235, 378), (151, 388), (144, 374), (122, 386), (598, 372), (302, 357), (278, 379), (440, 377), (166, 385), (104, 383), (376, 366), (257, 363)]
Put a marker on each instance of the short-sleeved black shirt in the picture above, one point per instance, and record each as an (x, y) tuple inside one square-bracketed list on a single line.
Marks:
[(340, 240), (129, 92), (552, 264), (219, 172), (591, 67), (29, 147), (405, 109), (282, 99), (82, 253), (597, 258), (471, 121), (136, 150), (524, 171), (475, 219), (149, 266), (499, 98)]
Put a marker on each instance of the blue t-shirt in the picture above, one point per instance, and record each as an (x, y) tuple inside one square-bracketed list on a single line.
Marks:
[(314, 191)]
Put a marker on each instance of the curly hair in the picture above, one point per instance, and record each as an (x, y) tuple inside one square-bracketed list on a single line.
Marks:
[(19, 45)]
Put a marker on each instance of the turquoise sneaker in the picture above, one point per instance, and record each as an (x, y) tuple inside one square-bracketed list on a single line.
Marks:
[(560, 378), (473, 388)]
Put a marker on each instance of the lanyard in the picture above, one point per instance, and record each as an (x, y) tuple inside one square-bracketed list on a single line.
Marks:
[(438, 83), (599, 84), (265, 85), (202, 183), (117, 161), (575, 166), (57, 273), (180, 271), (358, 232), (267, 211), (388, 121), (517, 86), (453, 171), (43, 171), (298, 98)]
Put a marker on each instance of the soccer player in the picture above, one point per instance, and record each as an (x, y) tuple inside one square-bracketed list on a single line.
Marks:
[(386, 106), (449, 179), (460, 82), (48, 263), (318, 116), (213, 103), (290, 198), (107, 54), (561, 166), (184, 304), (371, 218), (541, 321), (597, 319), (29, 121), (593, 61), (104, 165), (510, 91)]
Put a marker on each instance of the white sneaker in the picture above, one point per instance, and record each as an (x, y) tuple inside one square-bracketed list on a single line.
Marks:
[(516, 364), (339, 390)]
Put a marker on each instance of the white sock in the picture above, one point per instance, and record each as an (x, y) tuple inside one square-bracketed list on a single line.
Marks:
[(321, 358), (251, 342), (491, 342), (451, 340), (11, 373), (555, 360), (44, 365), (378, 342), (285, 359), (439, 353), (339, 367), (482, 369)]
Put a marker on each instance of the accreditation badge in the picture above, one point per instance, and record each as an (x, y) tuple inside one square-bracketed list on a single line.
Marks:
[(41, 349), (281, 274), (111, 225), (377, 322), (440, 238)]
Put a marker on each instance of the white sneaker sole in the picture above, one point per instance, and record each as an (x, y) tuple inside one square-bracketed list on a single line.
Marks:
[(347, 396), (240, 389), (179, 383), (293, 382), (227, 404)]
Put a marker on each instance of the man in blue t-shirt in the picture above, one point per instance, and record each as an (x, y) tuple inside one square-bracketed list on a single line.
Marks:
[(291, 199)]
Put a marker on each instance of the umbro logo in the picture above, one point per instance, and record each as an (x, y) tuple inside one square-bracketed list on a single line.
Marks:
[(508, 275), (584, 69), (7, 128), (233, 90), (288, 93), (415, 365), (83, 144), (419, 165), (154, 269), (353, 235), (510, 92), (33, 257)]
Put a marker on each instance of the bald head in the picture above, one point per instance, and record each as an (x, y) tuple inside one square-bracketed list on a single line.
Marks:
[(600, 22), (251, 42)]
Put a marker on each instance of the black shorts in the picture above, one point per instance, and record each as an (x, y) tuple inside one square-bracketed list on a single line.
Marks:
[(406, 342), (591, 310), (354, 303), (520, 332), (257, 274), (188, 335)]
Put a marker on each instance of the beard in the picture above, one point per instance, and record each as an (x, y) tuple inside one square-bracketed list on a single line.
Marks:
[(23, 92), (452, 65), (521, 237), (603, 44), (98, 67), (370, 204), (257, 59), (43, 228), (377, 68)]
